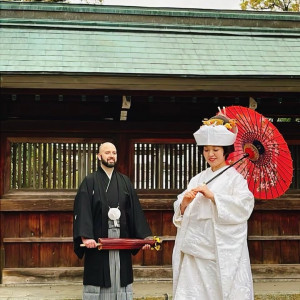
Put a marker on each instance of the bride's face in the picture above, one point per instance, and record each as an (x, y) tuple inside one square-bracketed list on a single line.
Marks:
[(214, 155)]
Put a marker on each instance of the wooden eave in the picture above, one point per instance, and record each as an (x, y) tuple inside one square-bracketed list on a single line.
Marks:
[(140, 83)]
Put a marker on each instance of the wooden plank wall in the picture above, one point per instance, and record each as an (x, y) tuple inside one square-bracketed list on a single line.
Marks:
[(37, 229)]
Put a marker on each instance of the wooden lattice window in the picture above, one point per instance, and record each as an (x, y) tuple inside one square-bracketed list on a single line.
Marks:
[(64, 165), (51, 165), (166, 166)]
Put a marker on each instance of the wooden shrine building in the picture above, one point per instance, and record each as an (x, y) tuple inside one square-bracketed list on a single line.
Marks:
[(73, 76)]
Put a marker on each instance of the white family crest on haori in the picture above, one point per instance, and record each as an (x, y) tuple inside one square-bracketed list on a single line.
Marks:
[(114, 214)]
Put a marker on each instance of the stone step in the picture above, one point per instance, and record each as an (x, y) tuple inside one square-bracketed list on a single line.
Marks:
[(74, 274), (150, 290)]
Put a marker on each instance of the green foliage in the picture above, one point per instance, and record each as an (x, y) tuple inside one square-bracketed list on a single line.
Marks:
[(274, 5), (38, 1)]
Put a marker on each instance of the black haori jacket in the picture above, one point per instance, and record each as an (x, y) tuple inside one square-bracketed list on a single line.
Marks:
[(90, 220)]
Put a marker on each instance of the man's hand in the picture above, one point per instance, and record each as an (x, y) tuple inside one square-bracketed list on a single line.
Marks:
[(147, 246), (89, 243)]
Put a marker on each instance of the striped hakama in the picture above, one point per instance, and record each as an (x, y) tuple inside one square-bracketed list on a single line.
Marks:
[(115, 292)]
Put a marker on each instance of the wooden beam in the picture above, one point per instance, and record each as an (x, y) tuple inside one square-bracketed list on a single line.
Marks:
[(274, 238), (147, 204), (38, 240), (283, 203), (36, 205), (60, 239), (162, 238), (139, 83), (63, 200)]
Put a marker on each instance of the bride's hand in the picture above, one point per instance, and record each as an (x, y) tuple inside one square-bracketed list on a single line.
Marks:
[(188, 197), (206, 192)]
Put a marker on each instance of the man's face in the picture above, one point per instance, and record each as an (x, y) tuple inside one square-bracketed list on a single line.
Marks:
[(108, 155)]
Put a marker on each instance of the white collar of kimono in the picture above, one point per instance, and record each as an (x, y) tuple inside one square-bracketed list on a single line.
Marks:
[(109, 175)]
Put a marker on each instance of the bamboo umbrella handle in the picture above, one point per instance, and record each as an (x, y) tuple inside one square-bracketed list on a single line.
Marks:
[(97, 244)]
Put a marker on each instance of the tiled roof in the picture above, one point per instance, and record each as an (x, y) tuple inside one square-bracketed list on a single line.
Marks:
[(37, 44)]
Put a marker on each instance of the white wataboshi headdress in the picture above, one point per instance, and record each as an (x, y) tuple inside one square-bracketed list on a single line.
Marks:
[(217, 131)]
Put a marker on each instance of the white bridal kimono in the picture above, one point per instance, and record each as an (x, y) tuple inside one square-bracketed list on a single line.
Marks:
[(210, 256)]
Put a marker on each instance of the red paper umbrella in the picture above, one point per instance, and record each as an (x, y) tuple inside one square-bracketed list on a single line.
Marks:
[(261, 154)]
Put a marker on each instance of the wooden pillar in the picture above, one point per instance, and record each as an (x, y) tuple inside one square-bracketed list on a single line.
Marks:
[(124, 153), (2, 163), (2, 189)]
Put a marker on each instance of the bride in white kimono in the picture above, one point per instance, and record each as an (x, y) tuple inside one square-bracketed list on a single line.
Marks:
[(210, 256)]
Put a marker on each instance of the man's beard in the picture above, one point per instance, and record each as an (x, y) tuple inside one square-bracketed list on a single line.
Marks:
[(107, 164)]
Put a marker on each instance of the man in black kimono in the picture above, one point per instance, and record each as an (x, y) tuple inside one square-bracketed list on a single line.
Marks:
[(106, 205)]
